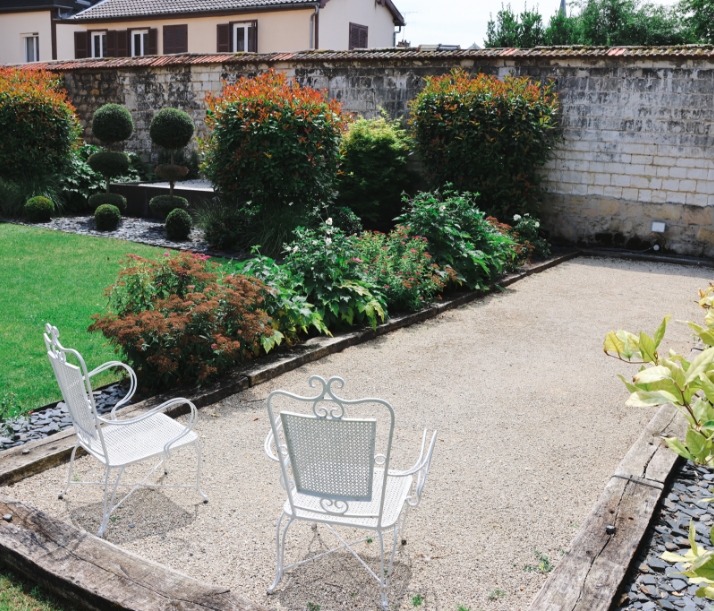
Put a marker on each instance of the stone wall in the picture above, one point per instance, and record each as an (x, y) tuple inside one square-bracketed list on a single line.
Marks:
[(638, 134)]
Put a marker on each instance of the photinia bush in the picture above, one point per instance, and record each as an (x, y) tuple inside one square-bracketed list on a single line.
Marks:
[(177, 321), (401, 267), (273, 142), (37, 122), (487, 136)]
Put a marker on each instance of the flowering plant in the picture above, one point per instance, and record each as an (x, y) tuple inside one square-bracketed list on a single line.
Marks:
[(325, 265), (177, 321), (526, 231)]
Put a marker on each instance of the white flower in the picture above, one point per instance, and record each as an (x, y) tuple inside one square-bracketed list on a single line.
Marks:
[(442, 208), (537, 224), (329, 221), (516, 217), (328, 241)]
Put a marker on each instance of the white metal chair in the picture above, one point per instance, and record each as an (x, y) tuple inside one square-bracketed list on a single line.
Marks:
[(336, 471), (119, 443)]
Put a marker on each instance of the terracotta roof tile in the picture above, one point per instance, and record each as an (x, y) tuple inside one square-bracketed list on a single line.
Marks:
[(685, 51)]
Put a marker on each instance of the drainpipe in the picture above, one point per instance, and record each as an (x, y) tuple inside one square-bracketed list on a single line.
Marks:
[(314, 40), (394, 36)]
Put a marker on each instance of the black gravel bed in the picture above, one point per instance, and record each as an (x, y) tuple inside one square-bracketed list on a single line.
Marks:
[(652, 583), (143, 231), (53, 419)]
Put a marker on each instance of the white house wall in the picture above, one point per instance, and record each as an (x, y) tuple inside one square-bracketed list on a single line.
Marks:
[(14, 27), (337, 15)]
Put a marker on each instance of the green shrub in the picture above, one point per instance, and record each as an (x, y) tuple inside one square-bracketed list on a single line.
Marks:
[(223, 223), (112, 123), (373, 171), (162, 205), (109, 163), (177, 322), (290, 311), (107, 217), (178, 225), (487, 135), (188, 159), (114, 199), (459, 236), (38, 125), (526, 231), (273, 147), (39, 209), (171, 129), (325, 265), (401, 267), (14, 194)]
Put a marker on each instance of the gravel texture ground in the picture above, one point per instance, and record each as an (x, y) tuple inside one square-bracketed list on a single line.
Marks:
[(532, 424)]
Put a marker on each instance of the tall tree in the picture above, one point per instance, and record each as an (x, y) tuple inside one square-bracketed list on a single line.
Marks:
[(699, 17)]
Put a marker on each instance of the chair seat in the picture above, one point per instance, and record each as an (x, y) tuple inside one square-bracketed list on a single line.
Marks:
[(127, 444), (308, 507)]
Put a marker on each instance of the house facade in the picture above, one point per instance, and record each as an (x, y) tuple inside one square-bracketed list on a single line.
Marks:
[(133, 28)]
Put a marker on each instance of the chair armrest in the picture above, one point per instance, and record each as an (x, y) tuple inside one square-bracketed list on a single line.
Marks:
[(160, 408), (421, 468), (269, 442), (132, 383)]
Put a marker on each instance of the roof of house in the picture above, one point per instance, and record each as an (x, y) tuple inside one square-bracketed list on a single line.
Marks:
[(9, 6), (705, 52), (119, 9)]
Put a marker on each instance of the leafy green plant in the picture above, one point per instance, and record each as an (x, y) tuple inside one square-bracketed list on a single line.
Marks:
[(544, 565), (222, 221), (313, 607), (107, 217), (496, 594), (526, 231), (178, 322), (688, 385), (9, 407), (459, 235), (111, 123), (698, 563), (325, 265), (39, 209), (163, 205), (417, 600), (401, 267), (291, 313), (171, 129), (113, 199), (178, 225), (487, 135), (374, 172)]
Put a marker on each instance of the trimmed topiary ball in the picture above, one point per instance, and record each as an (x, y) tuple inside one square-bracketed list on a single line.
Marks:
[(39, 209), (171, 128), (112, 123), (107, 217), (113, 199), (178, 225), (162, 205), (109, 163)]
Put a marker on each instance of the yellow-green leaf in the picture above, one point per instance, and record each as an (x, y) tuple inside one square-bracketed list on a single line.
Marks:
[(699, 365), (659, 333), (647, 348)]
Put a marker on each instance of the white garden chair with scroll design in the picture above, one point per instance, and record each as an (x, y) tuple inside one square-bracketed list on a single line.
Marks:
[(336, 471), (117, 443)]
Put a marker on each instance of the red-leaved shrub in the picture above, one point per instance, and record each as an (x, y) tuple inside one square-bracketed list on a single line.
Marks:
[(178, 322)]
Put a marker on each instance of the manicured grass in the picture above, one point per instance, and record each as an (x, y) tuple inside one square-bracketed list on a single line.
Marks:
[(16, 594), (50, 276)]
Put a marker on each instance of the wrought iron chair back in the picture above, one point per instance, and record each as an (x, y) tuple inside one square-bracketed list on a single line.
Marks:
[(76, 391), (324, 454)]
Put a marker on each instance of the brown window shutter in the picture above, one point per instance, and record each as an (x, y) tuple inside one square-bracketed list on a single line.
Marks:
[(363, 32), (122, 43), (175, 39), (111, 43), (81, 45), (223, 36), (153, 42), (169, 38), (253, 37)]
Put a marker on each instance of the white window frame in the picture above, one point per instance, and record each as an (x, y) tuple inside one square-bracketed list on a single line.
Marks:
[(244, 27), (143, 44), (26, 38), (102, 44)]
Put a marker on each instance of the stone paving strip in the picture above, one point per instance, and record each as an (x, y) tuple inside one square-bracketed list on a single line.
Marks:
[(532, 424)]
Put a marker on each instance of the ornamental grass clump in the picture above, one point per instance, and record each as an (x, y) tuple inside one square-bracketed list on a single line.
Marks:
[(274, 147), (177, 321), (488, 136), (460, 236)]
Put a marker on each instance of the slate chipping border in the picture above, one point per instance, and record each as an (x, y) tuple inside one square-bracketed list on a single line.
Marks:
[(640, 478)]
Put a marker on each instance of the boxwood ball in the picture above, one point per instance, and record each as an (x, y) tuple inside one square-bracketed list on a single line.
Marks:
[(171, 128), (112, 123)]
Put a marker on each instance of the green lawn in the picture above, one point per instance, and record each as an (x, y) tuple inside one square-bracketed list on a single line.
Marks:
[(16, 594), (50, 276)]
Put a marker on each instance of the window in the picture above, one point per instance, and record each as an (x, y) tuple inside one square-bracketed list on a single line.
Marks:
[(139, 43), (240, 37), (99, 44), (175, 39), (358, 36), (32, 47), (237, 36)]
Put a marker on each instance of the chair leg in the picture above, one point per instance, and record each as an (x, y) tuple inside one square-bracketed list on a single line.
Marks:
[(197, 443), (280, 552), (383, 577), (69, 473), (108, 507)]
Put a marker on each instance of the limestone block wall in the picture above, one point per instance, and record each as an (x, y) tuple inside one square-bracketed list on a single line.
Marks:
[(638, 131)]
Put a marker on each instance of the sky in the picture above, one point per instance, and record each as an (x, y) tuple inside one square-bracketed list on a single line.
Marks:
[(460, 22)]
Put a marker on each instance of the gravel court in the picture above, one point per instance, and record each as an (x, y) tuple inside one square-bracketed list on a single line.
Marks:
[(532, 424)]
